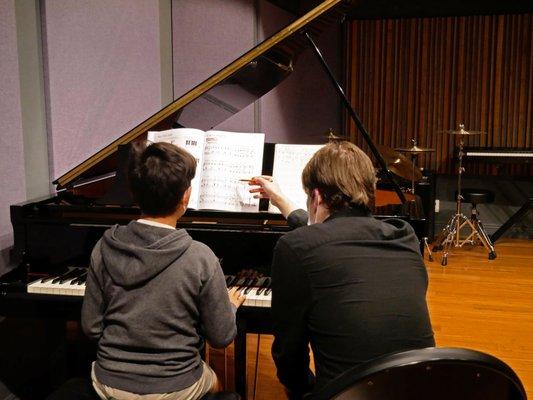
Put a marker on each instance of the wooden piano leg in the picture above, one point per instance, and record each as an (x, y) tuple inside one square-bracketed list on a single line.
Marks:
[(240, 359)]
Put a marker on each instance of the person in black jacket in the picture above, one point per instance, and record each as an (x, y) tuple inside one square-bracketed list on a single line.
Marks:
[(349, 285)]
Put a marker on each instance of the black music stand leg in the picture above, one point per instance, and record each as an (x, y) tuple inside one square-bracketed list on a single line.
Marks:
[(513, 220), (240, 359)]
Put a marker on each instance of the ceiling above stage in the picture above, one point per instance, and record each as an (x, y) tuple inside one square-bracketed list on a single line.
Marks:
[(433, 8), (365, 9)]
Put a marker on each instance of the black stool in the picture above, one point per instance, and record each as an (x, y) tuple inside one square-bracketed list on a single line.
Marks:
[(475, 197)]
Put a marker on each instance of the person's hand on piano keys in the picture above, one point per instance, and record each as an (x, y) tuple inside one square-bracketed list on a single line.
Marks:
[(236, 297), (264, 187)]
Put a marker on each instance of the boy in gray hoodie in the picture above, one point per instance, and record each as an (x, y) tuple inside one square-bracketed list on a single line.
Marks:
[(153, 294)]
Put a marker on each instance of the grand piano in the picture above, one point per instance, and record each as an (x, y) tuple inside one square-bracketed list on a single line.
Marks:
[(56, 233)]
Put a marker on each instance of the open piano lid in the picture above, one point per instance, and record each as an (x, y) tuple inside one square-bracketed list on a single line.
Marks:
[(225, 93)]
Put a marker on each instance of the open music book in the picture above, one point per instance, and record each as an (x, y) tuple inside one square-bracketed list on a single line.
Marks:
[(223, 158), (289, 162)]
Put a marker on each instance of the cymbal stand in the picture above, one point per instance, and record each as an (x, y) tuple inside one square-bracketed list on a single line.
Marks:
[(451, 233), (414, 158)]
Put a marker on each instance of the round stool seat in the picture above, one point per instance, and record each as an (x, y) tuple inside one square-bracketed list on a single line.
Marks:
[(477, 196)]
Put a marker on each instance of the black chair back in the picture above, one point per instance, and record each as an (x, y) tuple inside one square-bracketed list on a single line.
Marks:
[(431, 373)]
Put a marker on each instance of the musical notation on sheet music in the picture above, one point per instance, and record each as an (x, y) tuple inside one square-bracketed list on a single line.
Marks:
[(226, 159), (289, 162)]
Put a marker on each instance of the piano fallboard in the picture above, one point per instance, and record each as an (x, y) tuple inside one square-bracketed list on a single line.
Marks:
[(51, 235)]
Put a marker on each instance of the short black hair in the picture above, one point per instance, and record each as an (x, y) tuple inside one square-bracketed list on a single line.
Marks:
[(158, 175)]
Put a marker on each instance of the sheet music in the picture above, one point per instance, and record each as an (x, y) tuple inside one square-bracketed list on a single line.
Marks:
[(192, 140), (289, 162), (228, 157)]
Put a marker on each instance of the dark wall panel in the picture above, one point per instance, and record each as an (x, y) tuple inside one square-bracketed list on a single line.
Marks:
[(414, 78)]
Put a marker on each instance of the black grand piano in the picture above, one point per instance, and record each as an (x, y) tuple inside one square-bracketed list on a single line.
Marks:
[(56, 233)]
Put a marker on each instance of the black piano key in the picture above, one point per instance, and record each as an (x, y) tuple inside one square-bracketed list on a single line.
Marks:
[(244, 283), (73, 274), (264, 285), (82, 281), (230, 279), (250, 286), (70, 273), (269, 288), (79, 280), (44, 280)]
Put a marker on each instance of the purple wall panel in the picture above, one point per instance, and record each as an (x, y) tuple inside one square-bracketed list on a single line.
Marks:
[(304, 106), (11, 139), (102, 73), (208, 35)]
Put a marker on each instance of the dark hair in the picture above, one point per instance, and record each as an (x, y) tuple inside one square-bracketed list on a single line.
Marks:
[(343, 174), (159, 174)]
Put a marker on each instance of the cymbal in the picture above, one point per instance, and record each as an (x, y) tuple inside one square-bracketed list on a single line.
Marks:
[(463, 132), (399, 165), (333, 137), (414, 149)]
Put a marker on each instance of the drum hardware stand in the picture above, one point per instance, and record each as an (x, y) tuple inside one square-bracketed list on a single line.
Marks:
[(426, 246), (414, 159), (451, 233), (414, 152)]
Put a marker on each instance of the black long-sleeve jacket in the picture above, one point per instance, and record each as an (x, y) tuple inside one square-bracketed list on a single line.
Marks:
[(353, 288)]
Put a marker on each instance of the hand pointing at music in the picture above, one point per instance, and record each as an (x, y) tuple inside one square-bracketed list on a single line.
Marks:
[(265, 187)]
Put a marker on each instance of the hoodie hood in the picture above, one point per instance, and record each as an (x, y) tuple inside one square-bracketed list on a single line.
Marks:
[(135, 253)]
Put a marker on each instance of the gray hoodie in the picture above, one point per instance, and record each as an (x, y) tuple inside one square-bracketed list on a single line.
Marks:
[(153, 294)]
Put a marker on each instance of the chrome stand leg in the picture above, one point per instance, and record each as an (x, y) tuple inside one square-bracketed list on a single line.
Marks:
[(446, 238), (426, 245), (484, 238)]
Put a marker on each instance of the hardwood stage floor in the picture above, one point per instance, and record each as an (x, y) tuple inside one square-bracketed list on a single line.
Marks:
[(474, 303)]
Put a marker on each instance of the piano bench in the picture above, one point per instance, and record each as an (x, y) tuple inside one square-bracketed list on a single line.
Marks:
[(221, 396), (477, 196), (75, 388)]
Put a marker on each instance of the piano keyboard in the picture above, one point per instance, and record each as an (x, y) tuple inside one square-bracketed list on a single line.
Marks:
[(496, 154), (257, 290), (71, 283)]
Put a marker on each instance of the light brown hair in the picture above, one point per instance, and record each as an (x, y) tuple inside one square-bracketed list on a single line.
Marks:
[(343, 174)]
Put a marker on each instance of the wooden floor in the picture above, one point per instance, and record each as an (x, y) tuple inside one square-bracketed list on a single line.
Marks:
[(474, 303)]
